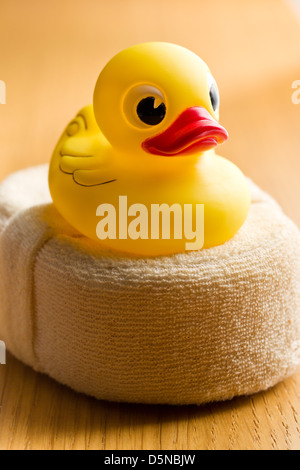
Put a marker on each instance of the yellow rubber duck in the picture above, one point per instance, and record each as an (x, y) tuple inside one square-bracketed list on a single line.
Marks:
[(148, 142)]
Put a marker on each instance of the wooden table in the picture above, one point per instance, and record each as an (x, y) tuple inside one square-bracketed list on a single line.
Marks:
[(51, 54)]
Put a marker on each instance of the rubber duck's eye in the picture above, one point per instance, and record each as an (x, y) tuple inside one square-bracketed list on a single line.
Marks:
[(144, 105), (149, 113), (213, 92)]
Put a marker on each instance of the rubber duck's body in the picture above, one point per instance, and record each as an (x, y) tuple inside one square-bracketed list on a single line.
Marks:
[(157, 107)]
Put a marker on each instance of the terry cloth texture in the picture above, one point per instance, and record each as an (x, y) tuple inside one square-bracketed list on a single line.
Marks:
[(188, 328)]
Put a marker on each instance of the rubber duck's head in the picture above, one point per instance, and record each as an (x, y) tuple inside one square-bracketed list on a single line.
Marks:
[(158, 99)]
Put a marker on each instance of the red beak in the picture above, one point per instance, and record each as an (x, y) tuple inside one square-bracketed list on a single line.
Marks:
[(195, 130)]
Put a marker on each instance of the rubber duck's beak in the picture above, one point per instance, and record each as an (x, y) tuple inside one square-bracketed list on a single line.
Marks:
[(195, 130)]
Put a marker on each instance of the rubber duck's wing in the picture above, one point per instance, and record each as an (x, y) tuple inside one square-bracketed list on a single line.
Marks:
[(82, 146), (94, 177), (81, 153)]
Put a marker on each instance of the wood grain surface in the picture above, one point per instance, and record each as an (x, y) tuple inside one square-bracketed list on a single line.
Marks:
[(51, 53)]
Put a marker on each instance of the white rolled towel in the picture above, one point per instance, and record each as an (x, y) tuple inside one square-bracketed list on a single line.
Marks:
[(181, 329)]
